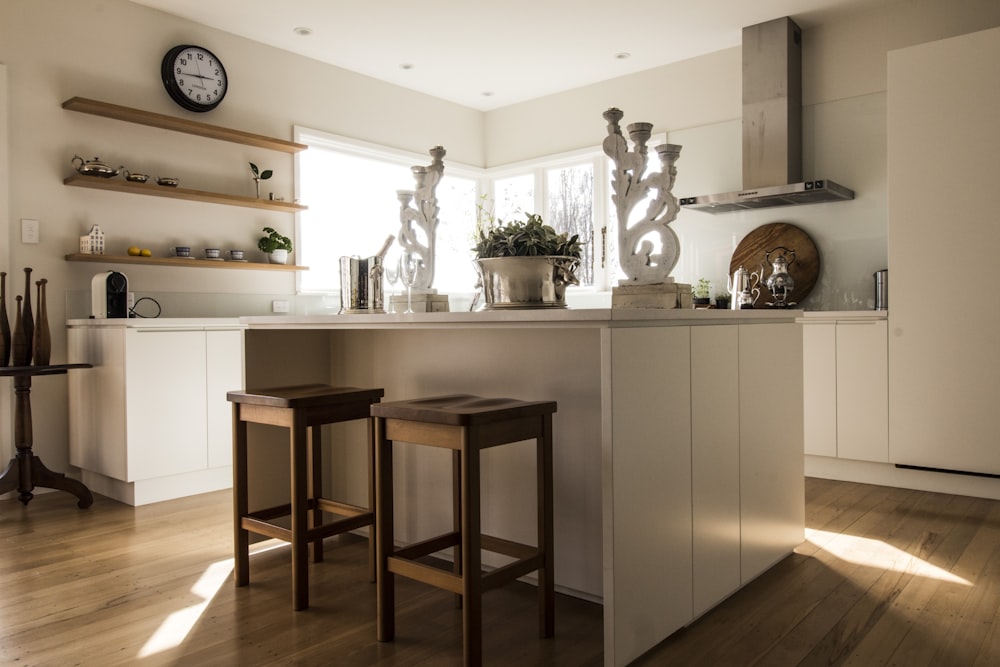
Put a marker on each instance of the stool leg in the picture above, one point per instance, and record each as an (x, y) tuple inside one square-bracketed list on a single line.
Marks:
[(546, 583), (241, 538), (472, 589), (456, 514), (315, 438), (384, 540), (372, 565), (300, 552)]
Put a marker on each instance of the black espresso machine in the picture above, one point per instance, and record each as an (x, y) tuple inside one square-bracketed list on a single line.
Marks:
[(109, 295)]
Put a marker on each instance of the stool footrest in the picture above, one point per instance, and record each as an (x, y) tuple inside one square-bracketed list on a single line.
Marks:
[(354, 517), (403, 562), (429, 546)]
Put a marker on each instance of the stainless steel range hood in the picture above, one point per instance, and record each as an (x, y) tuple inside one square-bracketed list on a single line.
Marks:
[(772, 127)]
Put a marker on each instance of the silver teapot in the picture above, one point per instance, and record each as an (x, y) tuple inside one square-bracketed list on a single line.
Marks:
[(744, 287), (780, 283), (93, 167)]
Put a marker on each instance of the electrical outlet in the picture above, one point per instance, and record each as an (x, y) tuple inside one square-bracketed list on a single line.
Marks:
[(279, 306), (29, 230)]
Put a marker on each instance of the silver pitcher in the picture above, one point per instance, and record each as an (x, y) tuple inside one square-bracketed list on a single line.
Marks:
[(744, 288), (361, 285)]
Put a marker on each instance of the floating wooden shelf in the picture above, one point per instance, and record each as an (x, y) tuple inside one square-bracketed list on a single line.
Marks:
[(93, 107), (154, 190), (181, 261)]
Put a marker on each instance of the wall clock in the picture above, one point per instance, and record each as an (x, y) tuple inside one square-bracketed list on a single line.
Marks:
[(194, 77)]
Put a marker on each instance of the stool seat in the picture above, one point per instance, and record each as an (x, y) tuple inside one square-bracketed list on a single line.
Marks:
[(302, 409), (461, 409), (466, 424)]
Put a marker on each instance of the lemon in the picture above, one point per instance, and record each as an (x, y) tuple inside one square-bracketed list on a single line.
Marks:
[(146, 252), (134, 251)]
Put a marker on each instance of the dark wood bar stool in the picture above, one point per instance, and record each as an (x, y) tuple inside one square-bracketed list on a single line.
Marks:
[(466, 425), (302, 409)]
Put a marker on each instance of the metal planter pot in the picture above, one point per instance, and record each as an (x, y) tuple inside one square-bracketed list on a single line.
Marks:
[(526, 282)]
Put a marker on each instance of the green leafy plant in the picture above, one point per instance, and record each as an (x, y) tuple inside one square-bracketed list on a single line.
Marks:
[(273, 241), (525, 238), (702, 289), (259, 175)]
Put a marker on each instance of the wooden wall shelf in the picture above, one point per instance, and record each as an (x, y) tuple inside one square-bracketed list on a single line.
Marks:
[(180, 261), (154, 190), (93, 107)]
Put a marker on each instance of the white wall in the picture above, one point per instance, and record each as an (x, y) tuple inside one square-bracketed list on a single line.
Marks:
[(110, 50), (698, 103)]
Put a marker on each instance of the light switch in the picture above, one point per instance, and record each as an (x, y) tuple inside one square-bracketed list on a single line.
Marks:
[(29, 230)]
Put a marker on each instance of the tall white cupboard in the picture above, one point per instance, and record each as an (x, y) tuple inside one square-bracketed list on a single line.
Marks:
[(944, 232)]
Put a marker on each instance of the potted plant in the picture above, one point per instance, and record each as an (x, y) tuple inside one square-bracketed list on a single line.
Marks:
[(722, 300), (275, 245), (525, 263), (700, 293)]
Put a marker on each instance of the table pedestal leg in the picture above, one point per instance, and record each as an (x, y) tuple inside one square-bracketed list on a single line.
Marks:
[(26, 471)]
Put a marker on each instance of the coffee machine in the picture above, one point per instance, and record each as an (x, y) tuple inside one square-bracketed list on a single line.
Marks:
[(109, 295)]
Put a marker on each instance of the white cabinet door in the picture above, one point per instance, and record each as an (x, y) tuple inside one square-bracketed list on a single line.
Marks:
[(715, 463), (772, 479), (943, 168), (165, 395), (862, 391), (649, 557), (224, 373), (819, 388)]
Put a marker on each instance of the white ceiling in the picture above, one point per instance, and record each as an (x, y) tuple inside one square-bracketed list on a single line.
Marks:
[(486, 54)]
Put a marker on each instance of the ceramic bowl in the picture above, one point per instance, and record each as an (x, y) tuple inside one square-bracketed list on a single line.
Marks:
[(168, 181), (212, 253), (182, 251), (236, 254)]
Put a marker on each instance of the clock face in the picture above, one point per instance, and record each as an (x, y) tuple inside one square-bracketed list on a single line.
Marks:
[(194, 77)]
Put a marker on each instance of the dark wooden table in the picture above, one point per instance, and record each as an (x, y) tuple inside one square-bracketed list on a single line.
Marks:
[(26, 471)]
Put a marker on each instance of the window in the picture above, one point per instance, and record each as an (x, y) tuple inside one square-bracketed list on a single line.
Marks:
[(350, 188)]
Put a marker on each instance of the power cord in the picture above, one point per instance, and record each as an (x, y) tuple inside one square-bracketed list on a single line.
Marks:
[(132, 311)]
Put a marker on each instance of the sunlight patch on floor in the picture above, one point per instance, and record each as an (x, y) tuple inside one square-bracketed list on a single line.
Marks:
[(878, 554), (177, 626)]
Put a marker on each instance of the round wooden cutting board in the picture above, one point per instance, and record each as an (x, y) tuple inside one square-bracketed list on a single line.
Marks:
[(752, 251)]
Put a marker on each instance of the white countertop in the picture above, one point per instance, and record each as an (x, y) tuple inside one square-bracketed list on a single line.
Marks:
[(562, 317), (159, 322)]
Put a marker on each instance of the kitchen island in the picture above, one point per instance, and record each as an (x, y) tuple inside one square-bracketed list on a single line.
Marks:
[(678, 441)]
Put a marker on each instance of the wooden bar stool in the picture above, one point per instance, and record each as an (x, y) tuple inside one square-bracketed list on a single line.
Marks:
[(302, 409), (467, 425)]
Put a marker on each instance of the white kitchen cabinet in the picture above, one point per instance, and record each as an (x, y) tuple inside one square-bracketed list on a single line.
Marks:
[(772, 477), (819, 387), (862, 391), (713, 486), (715, 464), (151, 421), (943, 169), (845, 386)]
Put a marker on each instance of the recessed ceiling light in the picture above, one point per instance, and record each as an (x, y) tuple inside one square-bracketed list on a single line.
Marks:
[(406, 66), (487, 93), (302, 31), (623, 55)]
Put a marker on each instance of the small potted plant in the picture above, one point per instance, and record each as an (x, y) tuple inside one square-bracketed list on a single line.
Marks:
[(525, 263), (722, 300), (700, 293), (275, 245), (257, 175)]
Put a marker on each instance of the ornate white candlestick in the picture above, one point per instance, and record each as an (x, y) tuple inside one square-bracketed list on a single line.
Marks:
[(647, 268), (418, 217)]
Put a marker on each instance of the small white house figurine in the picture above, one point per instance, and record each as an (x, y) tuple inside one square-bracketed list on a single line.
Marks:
[(93, 242)]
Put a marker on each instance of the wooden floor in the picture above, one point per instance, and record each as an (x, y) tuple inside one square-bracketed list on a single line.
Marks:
[(887, 577)]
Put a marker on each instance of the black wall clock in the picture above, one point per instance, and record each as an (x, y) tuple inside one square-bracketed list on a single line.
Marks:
[(194, 77)]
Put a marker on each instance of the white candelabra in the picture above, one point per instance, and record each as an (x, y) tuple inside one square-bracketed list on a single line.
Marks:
[(418, 210), (641, 260)]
